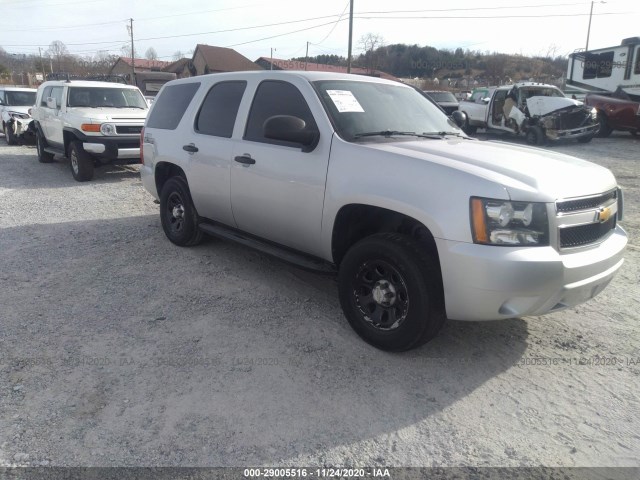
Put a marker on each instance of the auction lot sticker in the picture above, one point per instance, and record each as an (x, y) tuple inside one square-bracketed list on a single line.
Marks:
[(345, 101)]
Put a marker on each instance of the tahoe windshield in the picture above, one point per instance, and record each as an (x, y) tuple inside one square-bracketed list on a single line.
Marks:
[(106, 97), (20, 99), (366, 109)]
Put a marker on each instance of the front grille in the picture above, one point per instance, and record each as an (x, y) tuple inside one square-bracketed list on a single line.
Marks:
[(585, 234), (585, 203), (574, 119), (128, 129)]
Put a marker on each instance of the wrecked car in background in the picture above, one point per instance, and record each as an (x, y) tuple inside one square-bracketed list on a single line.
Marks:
[(619, 110), (539, 112), (15, 105)]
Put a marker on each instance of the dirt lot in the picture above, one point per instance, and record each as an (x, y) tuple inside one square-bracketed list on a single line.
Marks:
[(118, 348)]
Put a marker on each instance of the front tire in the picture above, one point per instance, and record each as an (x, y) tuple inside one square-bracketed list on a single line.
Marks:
[(178, 214), (535, 136), (391, 292), (43, 157), (80, 162), (9, 136), (604, 130)]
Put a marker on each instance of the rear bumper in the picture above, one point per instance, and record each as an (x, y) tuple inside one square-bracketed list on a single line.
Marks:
[(490, 283), (148, 180)]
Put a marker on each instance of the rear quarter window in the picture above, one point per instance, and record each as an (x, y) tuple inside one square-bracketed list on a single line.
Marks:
[(169, 107)]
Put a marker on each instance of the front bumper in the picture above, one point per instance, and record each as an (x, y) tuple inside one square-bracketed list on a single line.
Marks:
[(22, 129), (111, 149), (489, 283), (553, 134)]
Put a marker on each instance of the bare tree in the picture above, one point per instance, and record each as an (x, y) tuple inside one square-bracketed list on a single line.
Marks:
[(151, 54), (177, 55), (57, 50), (369, 43)]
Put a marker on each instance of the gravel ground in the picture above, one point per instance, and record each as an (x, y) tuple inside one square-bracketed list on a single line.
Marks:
[(118, 348)]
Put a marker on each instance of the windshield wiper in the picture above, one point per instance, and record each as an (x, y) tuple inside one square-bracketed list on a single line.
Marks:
[(443, 134), (393, 133)]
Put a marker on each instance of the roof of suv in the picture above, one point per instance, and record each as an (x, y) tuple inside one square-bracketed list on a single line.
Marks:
[(310, 76)]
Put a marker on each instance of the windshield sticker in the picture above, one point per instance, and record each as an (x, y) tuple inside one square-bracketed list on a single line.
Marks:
[(345, 101)]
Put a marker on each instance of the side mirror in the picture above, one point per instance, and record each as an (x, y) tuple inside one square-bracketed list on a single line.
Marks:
[(288, 128), (51, 103), (459, 118)]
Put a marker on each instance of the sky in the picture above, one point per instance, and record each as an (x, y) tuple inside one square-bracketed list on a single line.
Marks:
[(254, 27)]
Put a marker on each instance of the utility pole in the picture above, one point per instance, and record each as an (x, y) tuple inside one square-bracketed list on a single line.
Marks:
[(306, 57), (133, 58), (41, 64), (589, 28), (271, 62), (350, 36)]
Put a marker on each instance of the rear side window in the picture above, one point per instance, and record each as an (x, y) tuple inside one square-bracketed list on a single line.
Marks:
[(276, 98), (219, 110), (171, 104)]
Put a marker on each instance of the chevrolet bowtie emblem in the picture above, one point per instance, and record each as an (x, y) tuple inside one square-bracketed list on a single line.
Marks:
[(603, 214)]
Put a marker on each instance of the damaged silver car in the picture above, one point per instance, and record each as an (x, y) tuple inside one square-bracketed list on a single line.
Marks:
[(538, 111), (15, 106)]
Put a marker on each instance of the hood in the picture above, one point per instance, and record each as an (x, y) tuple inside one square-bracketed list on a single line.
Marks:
[(528, 174), (539, 106), (24, 110)]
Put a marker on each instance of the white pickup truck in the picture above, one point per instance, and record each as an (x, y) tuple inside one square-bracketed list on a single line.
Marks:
[(367, 178), (538, 111)]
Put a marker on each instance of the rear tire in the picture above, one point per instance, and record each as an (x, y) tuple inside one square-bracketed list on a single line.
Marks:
[(178, 214), (80, 162), (391, 292), (468, 129), (43, 157)]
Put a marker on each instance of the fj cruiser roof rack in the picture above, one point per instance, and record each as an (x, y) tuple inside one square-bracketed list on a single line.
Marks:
[(99, 77)]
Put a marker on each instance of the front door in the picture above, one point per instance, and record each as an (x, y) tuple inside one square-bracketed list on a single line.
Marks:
[(277, 190)]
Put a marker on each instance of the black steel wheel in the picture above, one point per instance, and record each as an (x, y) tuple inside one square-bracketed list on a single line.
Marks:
[(177, 213), (391, 292)]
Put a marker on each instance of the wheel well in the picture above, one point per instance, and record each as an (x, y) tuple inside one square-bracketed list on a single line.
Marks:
[(164, 171), (68, 137), (355, 222)]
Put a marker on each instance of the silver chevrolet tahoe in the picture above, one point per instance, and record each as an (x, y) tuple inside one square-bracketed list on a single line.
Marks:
[(367, 178)]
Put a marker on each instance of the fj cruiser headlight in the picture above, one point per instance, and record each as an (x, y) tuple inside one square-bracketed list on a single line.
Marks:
[(501, 222), (107, 129)]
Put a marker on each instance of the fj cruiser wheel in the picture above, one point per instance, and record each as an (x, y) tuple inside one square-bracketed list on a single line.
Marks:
[(81, 162), (605, 130), (177, 213), (391, 292), (9, 135), (535, 136), (43, 157)]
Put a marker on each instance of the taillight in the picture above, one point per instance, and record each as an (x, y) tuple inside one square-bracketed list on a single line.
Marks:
[(142, 145)]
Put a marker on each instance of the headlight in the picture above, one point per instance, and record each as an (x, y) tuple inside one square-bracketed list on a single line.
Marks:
[(502, 222), (594, 114), (107, 129), (18, 115)]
